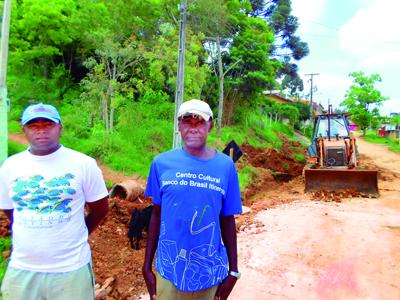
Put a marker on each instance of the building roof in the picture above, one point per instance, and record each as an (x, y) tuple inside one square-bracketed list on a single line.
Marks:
[(277, 97)]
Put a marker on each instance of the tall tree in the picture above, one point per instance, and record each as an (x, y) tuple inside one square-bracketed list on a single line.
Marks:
[(362, 99), (110, 73), (287, 46), (40, 30), (251, 45), (212, 18)]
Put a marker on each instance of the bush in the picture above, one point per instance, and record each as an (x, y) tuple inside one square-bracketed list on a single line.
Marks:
[(246, 176), (5, 244), (14, 148)]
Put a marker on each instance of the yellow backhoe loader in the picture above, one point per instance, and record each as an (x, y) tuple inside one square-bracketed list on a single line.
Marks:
[(332, 164)]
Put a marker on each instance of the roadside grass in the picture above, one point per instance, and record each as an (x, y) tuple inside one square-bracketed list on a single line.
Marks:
[(258, 137), (299, 157), (393, 144), (5, 244), (14, 126), (14, 147), (246, 175), (143, 133)]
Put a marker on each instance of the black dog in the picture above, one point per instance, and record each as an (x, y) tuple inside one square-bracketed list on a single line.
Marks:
[(140, 220)]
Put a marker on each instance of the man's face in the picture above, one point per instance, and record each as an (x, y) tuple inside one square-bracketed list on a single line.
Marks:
[(43, 135), (194, 130)]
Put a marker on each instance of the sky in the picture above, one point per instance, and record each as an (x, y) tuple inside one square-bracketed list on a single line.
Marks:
[(345, 36)]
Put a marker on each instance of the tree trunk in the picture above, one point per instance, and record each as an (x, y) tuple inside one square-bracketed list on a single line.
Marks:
[(105, 112), (111, 116), (221, 87), (91, 119)]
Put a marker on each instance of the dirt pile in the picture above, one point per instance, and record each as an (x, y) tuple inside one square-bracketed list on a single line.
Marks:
[(328, 196), (115, 263), (4, 226), (272, 167)]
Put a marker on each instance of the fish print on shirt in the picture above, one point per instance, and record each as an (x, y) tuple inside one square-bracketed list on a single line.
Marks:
[(43, 202)]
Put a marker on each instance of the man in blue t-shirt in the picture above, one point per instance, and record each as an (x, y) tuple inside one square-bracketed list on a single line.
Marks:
[(196, 194)]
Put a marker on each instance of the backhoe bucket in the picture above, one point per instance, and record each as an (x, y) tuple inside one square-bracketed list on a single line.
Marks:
[(363, 181)]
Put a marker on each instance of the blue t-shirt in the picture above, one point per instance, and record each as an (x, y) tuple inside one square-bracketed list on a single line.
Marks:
[(193, 193)]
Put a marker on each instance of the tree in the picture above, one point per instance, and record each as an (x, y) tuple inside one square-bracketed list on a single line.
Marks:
[(304, 110), (287, 45), (362, 100), (110, 73), (287, 111), (212, 18), (395, 120), (256, 71)]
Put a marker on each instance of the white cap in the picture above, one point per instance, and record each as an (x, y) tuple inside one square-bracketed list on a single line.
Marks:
[(196, 107)]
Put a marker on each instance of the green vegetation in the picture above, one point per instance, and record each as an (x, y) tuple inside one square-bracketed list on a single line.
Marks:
[(299, 157), (131, 148), (14, 147), (393, 144), (129, 55), (5, 244), (114, 84), (362, 100), (246, 175)]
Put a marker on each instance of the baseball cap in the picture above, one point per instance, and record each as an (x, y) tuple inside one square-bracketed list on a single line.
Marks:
[(196, 107), (40, 110)]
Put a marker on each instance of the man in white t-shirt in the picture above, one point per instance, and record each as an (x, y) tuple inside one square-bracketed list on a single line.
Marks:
[(43, 191)]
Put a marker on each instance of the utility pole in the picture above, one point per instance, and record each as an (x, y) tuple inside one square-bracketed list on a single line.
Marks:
[(311, 94), (181, 73), (5, 29)]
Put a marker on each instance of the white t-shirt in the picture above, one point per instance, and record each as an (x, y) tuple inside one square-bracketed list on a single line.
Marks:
[(48, 195)]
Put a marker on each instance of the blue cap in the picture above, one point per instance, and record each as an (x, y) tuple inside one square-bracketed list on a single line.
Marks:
[(40, 110)]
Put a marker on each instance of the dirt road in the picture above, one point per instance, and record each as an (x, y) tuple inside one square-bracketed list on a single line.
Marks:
[(327, 250)]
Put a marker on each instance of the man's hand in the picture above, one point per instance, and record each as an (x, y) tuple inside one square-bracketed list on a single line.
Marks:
[(225, 288)]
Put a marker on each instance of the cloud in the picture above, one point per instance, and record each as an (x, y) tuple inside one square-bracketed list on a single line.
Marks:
[(368, 40), (329, 87), (311, 11), (374, 29)]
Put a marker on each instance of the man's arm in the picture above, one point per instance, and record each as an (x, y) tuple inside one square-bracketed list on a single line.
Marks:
[(152, 241), (97, 212), (228, 233)]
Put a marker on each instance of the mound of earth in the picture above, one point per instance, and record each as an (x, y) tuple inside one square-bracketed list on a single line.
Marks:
[(113, 258), (272, 167)]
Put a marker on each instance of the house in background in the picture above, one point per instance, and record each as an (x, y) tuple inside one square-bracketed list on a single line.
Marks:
[(275, 96), (390, 130)]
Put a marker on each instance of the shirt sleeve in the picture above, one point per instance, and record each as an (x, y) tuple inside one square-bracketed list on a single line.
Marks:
[(94, 186), (232, 202), (153, 185), (5, 201)]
